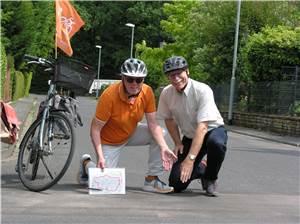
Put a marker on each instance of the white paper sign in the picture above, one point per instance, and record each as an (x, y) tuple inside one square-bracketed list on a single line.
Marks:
[(107, 181)]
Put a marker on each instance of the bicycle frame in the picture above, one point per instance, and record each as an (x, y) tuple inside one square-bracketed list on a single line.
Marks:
[(50, 95)]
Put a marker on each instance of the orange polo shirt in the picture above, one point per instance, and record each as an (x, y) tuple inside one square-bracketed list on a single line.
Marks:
[(121, 115)]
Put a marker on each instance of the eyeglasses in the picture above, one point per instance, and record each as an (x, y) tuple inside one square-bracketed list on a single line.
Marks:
[(175, 73), (131, 79)]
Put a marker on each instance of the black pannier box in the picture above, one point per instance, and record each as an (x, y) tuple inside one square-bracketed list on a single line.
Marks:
[(74, 75)]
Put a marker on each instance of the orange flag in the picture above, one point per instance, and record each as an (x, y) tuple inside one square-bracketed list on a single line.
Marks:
[(68, 22)]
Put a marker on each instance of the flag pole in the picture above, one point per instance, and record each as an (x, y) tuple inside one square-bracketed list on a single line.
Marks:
[(55, 50), (55, 45)]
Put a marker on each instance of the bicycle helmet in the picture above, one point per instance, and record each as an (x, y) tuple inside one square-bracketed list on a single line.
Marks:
[(174, 63), (134, 67)]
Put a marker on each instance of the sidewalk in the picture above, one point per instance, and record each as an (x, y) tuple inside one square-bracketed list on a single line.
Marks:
[(290, 140), (26, 109)]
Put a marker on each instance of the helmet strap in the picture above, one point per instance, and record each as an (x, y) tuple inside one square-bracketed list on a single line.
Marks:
[(187, 72)]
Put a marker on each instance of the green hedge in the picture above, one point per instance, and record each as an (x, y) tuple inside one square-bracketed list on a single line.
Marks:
[(19, 83), (28, 78), (10, 63), (18, 91), (3, 70)]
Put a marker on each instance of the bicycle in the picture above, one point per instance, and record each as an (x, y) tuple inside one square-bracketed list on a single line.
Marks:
[(47, 148)]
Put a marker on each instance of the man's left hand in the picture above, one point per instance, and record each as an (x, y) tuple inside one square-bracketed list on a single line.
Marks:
[(186, 170)]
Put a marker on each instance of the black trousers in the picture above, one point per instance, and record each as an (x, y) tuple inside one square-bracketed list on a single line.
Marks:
[(214, 146)]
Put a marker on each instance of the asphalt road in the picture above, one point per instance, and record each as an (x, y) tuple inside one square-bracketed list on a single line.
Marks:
[(258, 183)]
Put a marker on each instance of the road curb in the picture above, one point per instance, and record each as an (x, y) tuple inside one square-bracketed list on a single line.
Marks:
[(264, 137)]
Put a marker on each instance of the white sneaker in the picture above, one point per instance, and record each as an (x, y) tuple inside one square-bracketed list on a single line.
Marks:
[(157, 186), (82, 176)]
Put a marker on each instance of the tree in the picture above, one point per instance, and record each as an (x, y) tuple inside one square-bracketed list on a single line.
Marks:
[(153, 57), (106, 27), (44, 38), (267, 51), (204, 32), (201, 31), (27, 29), (6, 17), (176, 42)]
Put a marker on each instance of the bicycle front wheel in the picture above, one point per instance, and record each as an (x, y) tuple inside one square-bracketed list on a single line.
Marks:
[(39, 168)]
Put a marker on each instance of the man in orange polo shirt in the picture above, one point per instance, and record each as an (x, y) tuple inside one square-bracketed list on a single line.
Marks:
[(116, 124)]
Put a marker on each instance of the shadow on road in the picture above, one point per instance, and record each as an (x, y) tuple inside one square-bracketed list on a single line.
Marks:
[(9, 181)]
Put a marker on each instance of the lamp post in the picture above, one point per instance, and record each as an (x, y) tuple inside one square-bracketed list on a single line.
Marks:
[(232, 82), (132, 34), (98, 75)]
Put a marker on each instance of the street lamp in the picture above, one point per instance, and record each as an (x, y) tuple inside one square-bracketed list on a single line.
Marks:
[(232, 82), (98, 75), (132, 33)]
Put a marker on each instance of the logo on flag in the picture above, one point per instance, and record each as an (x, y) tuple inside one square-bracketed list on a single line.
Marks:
[(68, 22)]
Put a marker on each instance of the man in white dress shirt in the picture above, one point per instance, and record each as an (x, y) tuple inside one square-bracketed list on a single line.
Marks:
[(189, 109)]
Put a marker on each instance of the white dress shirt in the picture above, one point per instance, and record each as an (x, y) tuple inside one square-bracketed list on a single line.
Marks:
[(188, 108)]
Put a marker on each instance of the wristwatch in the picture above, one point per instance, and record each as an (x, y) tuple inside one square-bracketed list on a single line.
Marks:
[(192, 157)]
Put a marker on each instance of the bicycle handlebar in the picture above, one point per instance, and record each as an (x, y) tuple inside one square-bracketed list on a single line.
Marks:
[(30, 57), (38, 60)]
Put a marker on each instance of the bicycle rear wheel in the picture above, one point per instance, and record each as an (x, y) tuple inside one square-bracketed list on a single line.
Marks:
[(40, 168)]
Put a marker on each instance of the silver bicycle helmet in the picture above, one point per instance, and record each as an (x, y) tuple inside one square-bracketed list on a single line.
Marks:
[(174, 63), (134, 67)]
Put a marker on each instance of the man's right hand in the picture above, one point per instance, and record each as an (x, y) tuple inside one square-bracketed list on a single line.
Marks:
[(95, 134), (168, 157), (101, 163)]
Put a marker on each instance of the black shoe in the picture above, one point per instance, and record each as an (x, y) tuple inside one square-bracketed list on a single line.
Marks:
[(204, 183), (211, 188)]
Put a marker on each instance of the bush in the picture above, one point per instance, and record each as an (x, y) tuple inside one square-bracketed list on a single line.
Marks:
[(267, 51), (3, 70), (157, 93), (11, 67), (296, 108), (18, 91), (28, 78), (154, 58)]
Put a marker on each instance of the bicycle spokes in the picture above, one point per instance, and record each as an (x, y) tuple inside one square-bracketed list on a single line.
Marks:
[(44, 166)]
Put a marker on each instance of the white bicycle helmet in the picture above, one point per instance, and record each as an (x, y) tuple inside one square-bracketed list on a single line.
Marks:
[(134, 67), (175, 63)]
